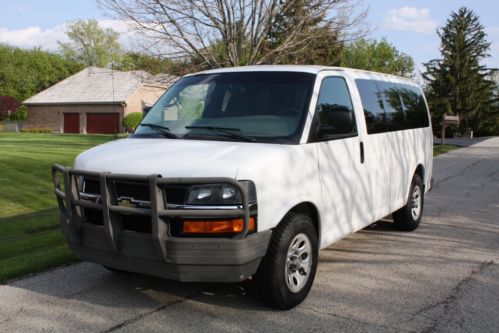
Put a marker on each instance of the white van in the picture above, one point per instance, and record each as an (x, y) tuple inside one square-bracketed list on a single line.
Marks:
[(248, 172)]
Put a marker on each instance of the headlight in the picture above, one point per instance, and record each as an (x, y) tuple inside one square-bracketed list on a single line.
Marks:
[(220, 194)]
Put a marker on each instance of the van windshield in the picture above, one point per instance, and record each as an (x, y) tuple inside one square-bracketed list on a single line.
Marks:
[(240, 106)]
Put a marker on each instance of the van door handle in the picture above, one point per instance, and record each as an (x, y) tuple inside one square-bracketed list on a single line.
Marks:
[(361, 152)]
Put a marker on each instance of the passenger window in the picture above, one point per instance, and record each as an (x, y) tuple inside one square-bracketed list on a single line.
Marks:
[(334, 110), (415, 111), (373, 106), (394, 112)]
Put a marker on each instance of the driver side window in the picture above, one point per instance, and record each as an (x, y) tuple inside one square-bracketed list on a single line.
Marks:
[(334, 110)]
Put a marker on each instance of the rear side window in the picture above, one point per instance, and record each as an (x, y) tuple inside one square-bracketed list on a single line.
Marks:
[(398, 106), (414, 107), (392, 103)]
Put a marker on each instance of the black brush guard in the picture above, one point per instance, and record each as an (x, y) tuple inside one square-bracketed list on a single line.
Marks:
[(186, 259)]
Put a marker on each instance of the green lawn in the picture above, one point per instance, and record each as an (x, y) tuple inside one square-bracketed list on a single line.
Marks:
[(437, 149), (30, 239)]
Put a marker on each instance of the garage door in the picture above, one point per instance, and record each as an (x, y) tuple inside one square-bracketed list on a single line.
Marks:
[(103, 123), (71, 123)]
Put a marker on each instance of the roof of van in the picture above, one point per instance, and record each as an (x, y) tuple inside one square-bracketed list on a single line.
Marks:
[(313, 69)]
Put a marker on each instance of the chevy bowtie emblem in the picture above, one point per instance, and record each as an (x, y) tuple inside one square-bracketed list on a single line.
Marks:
[(126, 202)]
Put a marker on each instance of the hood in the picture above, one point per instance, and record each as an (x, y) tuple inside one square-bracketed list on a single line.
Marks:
[(170, 157)]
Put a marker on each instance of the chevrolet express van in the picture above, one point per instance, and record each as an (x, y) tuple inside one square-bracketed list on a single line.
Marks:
[(248, 172)]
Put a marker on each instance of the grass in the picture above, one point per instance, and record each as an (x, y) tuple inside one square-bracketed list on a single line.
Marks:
[(30, 239), (438, 149)]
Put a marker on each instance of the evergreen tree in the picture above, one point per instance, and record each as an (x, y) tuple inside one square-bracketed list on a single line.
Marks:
[(459, 83)]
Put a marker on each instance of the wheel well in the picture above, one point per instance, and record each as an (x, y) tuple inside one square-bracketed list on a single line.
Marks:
[(309, 209), (420, 172)]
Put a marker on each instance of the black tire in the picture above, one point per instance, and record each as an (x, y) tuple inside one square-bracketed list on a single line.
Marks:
[(405, 218), (272, 274)]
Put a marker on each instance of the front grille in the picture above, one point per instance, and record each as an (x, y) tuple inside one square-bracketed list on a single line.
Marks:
[(174, 194), (136, 191), (91, 186)]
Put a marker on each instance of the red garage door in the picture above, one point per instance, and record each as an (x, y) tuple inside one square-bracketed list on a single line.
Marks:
[(71, 123), (103, 123)]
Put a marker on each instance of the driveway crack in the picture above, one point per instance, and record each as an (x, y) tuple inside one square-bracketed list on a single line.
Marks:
[(354, 320), (449, 302), (147, 314)]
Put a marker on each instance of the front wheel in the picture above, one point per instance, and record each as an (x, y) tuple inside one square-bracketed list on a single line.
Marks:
[(287, 272), (408, 217)]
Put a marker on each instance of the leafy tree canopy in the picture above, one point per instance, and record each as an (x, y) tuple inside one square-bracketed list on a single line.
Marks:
[(379, 56), (140, 61), (91, 44), (23, 73)]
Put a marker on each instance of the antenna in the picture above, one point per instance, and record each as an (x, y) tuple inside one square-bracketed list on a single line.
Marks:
[(112, 76)]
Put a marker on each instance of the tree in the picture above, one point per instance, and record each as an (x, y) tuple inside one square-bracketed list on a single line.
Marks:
[(8, 106), (132, 61), (132, 120), (380, 56), (237, 32), (90, 44), (24, 73), (458, 83)]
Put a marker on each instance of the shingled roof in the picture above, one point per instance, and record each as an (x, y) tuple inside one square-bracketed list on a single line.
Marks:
[(93, 85)]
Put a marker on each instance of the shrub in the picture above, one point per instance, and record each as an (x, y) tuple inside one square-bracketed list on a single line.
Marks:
[(20, 114), (132, 120), (36, 130)]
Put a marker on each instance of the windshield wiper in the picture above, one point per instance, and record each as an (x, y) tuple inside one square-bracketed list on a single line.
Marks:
[(163, 130), (225, 131)]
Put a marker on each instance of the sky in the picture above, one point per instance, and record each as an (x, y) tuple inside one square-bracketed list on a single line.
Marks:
[(410, 25)]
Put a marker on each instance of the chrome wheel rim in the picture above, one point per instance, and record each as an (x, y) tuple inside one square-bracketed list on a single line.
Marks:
[(416, 201), (298, 262)]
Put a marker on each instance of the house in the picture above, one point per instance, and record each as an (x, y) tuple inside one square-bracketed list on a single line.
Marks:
[(94, 100)]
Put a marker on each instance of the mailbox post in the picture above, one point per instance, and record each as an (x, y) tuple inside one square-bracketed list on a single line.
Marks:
[(448, 120)]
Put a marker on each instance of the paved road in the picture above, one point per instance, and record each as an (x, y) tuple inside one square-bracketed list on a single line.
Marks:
[(442, 278)]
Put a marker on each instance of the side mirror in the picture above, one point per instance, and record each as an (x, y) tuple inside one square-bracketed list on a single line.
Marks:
[(335, 120)]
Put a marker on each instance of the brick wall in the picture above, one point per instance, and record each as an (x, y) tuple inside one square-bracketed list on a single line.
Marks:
[(52, 116)]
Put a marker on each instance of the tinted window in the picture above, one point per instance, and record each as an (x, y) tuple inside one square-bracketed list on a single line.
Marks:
[(335, 110), (373, 106), (398, 106), (392, 102), (414, 107)]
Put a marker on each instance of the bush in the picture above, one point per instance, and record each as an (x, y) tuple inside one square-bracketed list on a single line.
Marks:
[(132, 120), (36, 130), (20, 114)]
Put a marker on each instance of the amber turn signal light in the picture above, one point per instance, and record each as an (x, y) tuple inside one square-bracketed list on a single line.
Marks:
[(217, 226)]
